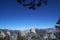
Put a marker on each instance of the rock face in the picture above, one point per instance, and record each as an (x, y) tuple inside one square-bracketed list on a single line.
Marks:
[(2, 34), (31, 34), (33, 30)]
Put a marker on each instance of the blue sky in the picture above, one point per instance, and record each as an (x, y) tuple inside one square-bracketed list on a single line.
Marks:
[(15, 16)]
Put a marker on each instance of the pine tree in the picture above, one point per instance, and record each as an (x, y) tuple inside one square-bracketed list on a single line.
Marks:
[(58, 28), (19, 37), (58, 24), (1, 38), (33, 4), (7, 37)]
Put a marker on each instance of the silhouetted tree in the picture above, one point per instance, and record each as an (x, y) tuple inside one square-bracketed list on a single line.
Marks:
[(58, 24), (33, 4)]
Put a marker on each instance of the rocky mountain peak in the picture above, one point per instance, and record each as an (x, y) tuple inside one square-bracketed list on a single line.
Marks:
[(33, 30)]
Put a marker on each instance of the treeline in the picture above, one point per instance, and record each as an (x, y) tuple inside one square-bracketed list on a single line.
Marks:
[(5, 38), (19, 37)]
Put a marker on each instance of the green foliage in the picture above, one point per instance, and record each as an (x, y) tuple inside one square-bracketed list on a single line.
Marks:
[(1, 38), (7, 37), (19, 37)]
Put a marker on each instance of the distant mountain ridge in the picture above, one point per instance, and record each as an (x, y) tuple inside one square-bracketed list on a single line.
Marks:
[(31, 34)]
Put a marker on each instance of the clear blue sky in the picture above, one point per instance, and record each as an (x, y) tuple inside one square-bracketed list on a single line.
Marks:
[(15, 16)]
